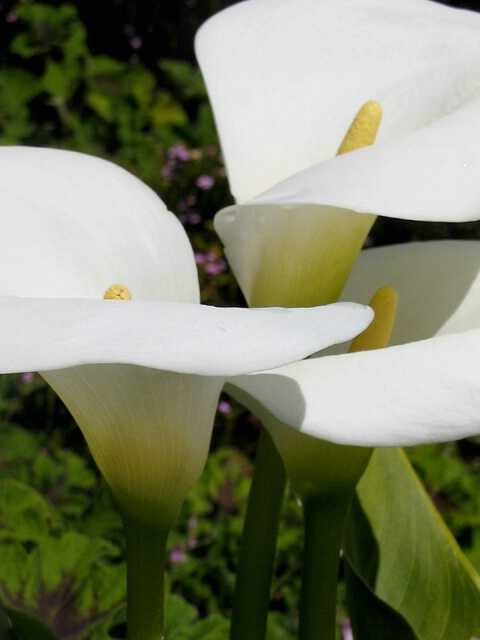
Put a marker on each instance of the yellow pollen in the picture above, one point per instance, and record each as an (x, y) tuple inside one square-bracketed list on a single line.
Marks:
[(377, 334), (363, 130), (117, 292)]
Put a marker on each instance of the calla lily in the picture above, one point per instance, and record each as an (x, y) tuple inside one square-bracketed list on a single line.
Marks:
[(296, 243), (284, 95), (83, 224), (423, 388), (142, 376), (285, 80)]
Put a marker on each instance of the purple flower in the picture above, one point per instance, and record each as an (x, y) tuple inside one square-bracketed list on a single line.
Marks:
[(192, 542), (177, 554), (224, 407), (178, 152), (215, 268), (347, 630), (212, 264), (205, 182), (193, 217)]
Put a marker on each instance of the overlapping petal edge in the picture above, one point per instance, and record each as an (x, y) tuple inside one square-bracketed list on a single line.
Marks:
[(427, 390), (406, 55), (430, 174), (48, 334)]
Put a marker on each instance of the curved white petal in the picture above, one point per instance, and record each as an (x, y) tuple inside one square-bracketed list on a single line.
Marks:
[(291, 256), (429, 174), (46, 334), (416, 393), (149, 431), (72, 225), (438, 285), (286, 77), (426, 390)]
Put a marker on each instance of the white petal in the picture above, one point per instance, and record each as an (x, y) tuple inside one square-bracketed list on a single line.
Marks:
[(438, 285), (286, 77), (41, 335), (71, 225), (149, 431), (294, 257), (421, 392), (430, 174)]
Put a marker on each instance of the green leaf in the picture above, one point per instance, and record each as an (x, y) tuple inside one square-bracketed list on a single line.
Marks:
[(62, 79), (186, 77), (178, 616), (181, 622), (398, 545), (370, 618), (71, 581), (212, 628), (27, 627), (6, 631), (24, 513)]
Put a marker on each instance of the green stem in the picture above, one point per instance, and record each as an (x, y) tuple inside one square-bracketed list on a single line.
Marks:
[(324, 525), (146, 550), (257, 552)]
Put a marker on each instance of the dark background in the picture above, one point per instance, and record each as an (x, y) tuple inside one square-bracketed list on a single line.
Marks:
[(165, 27)]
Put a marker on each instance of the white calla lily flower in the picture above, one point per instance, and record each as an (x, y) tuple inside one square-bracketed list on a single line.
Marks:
[(142, 376), (424, 388), (290, 78), (303, 213), (286, 78)]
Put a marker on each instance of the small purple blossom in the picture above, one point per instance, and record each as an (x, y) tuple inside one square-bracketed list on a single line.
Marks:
[(193, 217), (224, 407), (176, 155), (346, 630), (211, 263), (178, 151), (192, 542), (215, 268), (205, 182), (177, 554), (27, 377)]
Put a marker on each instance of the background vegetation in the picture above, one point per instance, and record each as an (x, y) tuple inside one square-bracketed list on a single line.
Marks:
[(117, 79)]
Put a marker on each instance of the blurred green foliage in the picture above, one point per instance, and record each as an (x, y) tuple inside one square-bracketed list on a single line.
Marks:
[(62, 546), (57, 93), (137, 98)]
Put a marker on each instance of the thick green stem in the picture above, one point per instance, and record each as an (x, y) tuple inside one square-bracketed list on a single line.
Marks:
[(146, 550), (324, 525), (259, 539)]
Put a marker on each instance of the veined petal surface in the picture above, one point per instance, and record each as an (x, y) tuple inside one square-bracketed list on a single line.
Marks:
[(286, 77), (47, 334), (148, 430), (424, 389), (72, 225), (291, 256)]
